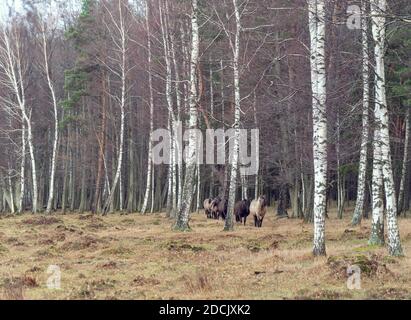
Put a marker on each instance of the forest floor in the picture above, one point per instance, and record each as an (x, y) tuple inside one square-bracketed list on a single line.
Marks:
[(140, 257)]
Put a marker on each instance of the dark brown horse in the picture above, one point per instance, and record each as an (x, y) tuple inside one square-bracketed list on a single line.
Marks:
[(242, 210)]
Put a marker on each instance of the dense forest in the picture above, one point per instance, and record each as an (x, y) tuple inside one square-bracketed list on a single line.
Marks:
[(84, 84)]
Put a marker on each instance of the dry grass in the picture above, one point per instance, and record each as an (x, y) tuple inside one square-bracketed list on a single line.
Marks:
[(140, 257)]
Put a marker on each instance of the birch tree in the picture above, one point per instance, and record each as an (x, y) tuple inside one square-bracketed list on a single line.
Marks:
[(362, 170), (178, 154), (399, 78), (235, 47), (11, 194), (9, 190), (47, 72), (151, 106), (405, 163), (22, 166), (257, 147), (172, 184), (13, 67), (189, 179), (211, 75), (118, 31), (316, 13), (378, 12), (377, 225)]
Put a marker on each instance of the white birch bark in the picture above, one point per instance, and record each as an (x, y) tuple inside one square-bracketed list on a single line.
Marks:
[(210, 193), (318, 78), (256, 191), (377, 224), (222, 91), (33, 165), (378, 11), (186, 72), (172, 194), (188, 188), (152, 191), (151, 106), (229, 221), (121, 200), (340, 175), (170, 58), (362, 170), (55, 114), (174, 172), (106, 188), (22, 166), (178, 153), (11, 65), (169, 205), (211, 90), (11, 193), (121, 49), (303, 196)]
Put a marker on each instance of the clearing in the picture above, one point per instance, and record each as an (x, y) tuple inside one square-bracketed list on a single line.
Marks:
[(140, 257)]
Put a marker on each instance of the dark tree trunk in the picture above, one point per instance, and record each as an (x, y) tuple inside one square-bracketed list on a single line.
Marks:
[(282, 201)]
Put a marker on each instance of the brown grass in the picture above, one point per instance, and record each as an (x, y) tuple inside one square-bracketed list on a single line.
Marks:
[(140, 257)]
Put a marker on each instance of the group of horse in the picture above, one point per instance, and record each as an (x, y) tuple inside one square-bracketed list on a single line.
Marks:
[(217, 208)]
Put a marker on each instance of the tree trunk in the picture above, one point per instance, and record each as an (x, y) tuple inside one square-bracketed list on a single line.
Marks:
[(340, 173), (11, 193), (211, 186), (151, 105), (362, 170), (229, 221), (56, 122), (198, 201), (282, 201), (83, 192), (101, 145), (121, 48), (295, 191), (309, 199), (404, 171), (378, 11), (188, 188), (33, 167), (65, 182), (22, 168), (169, 207), (318, 79), (131, 176), (257, 147), (172, 194)]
